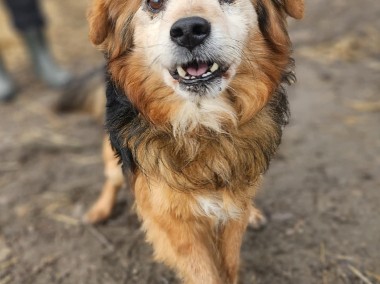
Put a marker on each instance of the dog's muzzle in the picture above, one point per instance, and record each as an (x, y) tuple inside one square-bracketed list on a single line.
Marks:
[(201, 71)]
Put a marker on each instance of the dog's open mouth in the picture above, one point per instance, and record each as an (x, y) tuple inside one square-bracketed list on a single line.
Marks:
[(196, 72)]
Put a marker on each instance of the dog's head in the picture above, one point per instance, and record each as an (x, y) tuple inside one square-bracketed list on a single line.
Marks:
[(195, 62)]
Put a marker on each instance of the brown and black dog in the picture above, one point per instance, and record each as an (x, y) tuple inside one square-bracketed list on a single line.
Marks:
[(195, 110)]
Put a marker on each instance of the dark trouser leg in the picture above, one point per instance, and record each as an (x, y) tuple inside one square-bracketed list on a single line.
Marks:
[(7, 86), (26, 14), (29, 21)]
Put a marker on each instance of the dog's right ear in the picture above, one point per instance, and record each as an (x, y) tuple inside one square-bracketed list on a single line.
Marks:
[(295, 8), (98, 19)]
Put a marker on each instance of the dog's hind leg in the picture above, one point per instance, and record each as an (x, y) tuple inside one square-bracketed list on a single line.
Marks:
[(257, 219), (102, 208)]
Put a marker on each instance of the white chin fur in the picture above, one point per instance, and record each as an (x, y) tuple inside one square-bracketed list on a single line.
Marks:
[(208, 112)]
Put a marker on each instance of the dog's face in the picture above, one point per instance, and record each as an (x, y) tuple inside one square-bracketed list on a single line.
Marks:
[(191, 62), (195, 45)]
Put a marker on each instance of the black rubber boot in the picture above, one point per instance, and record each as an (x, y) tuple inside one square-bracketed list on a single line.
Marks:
[(43, 61), (7, 86)]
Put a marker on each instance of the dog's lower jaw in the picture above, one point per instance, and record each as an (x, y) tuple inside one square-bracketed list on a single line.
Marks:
[(196, 92)]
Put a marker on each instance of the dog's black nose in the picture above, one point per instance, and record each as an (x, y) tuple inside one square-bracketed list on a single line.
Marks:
[(190, 32)]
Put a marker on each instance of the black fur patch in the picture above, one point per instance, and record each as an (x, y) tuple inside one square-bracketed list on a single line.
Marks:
[(120, 113), (263, 18), (279, 106)]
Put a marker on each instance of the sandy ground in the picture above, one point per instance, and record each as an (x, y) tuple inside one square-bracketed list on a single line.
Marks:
[(322, 193)]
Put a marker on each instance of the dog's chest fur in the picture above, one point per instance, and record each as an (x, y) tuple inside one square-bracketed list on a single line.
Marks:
[(217, 208), (204, 160)]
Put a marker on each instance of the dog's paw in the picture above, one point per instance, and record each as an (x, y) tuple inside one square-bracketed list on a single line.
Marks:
[(257, 219), (97, 214)]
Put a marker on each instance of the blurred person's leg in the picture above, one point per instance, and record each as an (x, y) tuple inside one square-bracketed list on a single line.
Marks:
[(29, 21), (7, 86)]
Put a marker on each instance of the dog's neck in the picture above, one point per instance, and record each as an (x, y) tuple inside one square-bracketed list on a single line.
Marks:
[(218, 160)]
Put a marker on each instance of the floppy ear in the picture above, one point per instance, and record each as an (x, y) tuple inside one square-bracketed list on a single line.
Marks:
[(99, 21), (295, 8)]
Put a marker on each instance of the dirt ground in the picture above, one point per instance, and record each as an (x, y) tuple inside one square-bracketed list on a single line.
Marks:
[(322, 193)]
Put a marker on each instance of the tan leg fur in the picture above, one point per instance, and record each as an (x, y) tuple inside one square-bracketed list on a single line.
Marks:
[(102, 208), (200, 248)]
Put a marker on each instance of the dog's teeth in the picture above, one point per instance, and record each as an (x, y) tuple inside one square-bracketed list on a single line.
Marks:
[(181, 72), (192, 77), (214, 67), (206, 74), (187, 77)]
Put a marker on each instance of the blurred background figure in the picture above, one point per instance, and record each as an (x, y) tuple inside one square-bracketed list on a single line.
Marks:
[(30, 23)]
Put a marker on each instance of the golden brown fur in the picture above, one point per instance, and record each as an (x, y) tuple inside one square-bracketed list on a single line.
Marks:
[(194, 190), (102, 208)]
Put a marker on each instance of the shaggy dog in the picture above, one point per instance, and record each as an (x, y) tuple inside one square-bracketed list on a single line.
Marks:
[(195, 111)]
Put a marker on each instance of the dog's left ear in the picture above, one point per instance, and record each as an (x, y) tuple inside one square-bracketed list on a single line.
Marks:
[(294, 8)]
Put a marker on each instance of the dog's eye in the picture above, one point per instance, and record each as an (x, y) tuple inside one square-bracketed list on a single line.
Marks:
[(226, 1), (155, 5)]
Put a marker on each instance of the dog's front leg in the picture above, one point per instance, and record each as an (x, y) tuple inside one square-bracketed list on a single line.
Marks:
[(230, 243), (185, 248), (184, 242)]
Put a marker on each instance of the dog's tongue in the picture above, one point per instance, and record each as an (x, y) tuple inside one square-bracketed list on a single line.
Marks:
[(197, 70)]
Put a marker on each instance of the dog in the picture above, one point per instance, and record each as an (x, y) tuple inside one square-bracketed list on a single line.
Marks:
[(195, 109)]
